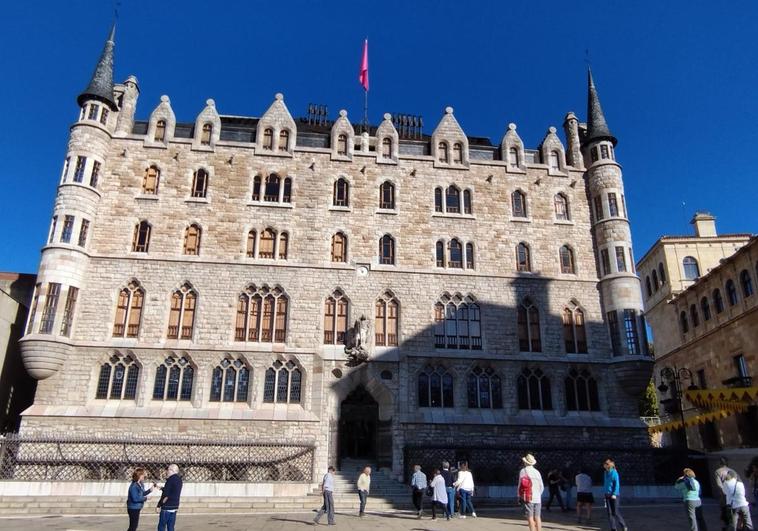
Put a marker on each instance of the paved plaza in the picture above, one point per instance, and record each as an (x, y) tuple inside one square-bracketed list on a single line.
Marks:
[(669, 517)]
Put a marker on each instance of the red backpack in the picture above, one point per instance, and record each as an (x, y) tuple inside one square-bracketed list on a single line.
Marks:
[(525, 488)]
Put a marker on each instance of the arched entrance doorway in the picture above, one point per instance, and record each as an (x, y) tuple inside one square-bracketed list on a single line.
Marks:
[(358, 424)]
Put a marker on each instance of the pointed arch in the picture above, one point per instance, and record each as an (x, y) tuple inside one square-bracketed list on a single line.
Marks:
[(336, 315), (574, 332), (141, 240), (387, 315), (387, 250), (518, 204), (387, 195), (200, 183), (151, 180), (566, 256), (523, 257), (192, 236), (341, 196), (128, 317), (181, 320), (529, 332)]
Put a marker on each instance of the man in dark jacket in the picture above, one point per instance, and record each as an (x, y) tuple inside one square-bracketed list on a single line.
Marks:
[(449, 480), (169, 502)]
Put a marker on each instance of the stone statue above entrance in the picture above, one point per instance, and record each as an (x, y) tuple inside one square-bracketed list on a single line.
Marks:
[(358, 342)]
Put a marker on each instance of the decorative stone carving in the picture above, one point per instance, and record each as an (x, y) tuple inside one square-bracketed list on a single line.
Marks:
[(358, 342)]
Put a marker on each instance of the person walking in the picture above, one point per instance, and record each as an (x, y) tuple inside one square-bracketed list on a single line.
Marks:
[(364, 484), (584, 497), (439, 495), (169, 502), (530, 489), (719, 477), (567, 484), (465, 486), (327, 491), (554, 489), (689, 487), (752, 474), (447, 475), (612, 491), (418, 486), (136, 497), (734, 489)]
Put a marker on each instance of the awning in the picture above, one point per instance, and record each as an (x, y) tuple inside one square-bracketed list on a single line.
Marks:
[(732, 399), (691, 421)]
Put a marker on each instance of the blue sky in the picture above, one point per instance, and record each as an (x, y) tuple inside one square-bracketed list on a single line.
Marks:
[(677, 80)]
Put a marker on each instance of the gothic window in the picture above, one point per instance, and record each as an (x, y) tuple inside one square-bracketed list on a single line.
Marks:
[(604, 151), (387, 148), (181, 319), (662, 273), (387, 314), (567, 260), (52, 229), (81, 162), (469, 255), (68, 311), (598, 208), (529, 327), (747, 283), (68, 229), (620, 259), (284, 140), (555, 161), (261, 315), (268, 139), (605, 261), (342, 144), (455, 251), (655, 280), (335, 318), (104, 116), (93, 109), (513, 158), (647, 287), (484, 389), (287, 192), (284, 239), (574, 334), (83, 230), (141, 240), (613, 207), (561, 207), (192, 236), (435, 388), (66, 164), (438, 199), (271, 190), (205, 138), (523, 260), (731, 292), (387, 195), (683, 322), (200, 183), (452, 199), (339, 248), (533, 389), (282, 383), (718, 301), (95, 175), (705, 307), (256, 188), (631, 332), (230, 381), (691, 269), (457, 153), (387, 250), (118, 378), (442, 154), (129, 310), (151, 180), (250, 246), (518, 204), (581, 391), (160, 131), (440, 253), (457, 323), (467, 202), (174, 379), (613, 325), (266, 249), (341, 193), (694, 316)]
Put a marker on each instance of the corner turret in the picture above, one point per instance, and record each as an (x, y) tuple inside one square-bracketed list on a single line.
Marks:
[(100, 87)]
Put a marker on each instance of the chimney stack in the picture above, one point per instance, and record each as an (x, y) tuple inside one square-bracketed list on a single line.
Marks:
[(705, 225)]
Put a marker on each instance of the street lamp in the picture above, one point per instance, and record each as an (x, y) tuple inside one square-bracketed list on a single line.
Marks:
[(673, 377)]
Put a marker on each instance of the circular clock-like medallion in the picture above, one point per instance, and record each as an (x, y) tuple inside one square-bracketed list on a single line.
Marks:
[(362, 271)]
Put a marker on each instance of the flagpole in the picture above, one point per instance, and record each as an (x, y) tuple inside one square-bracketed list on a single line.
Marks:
[(365, 111)]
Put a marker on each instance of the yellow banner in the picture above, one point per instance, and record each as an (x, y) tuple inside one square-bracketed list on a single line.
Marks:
[(736, 399), (691, 421)]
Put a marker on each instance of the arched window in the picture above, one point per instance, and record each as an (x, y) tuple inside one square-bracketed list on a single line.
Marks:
[(469, 255), (484, 389), (205, 138), (691, 269), (266, 246), (118, 378), (560, 202), (523, 260), (387, 148), (581, 391), (387, 314), (129, 310), (567, 260), (747, 283), (647, 287), (141, 240), (341, 193), (174, 379), (518, 203), (455, 251), (250, 250), (336, 310), (513, 160), (387, 250), (457, 153), (533, 388), (339, 248), (467, 202), (529, 327), (442, 154), (574, 334), (268, 139), (192, 236), (718, 301), (160, 131), (655, 280), (694, 317), (435, 388), (230, 381), (440, 253), (731, 292), (282, 383), (181, 319), (271, 190), (284, 140), (683, 322), (458, 323), (287, 193), (387, 195), (452, 199), (284, 240), (555, 161), (256, 188), (705, 307), (200, 183), (342, 144), (662, 273), (438, 199), (151, 180), (261, 315)]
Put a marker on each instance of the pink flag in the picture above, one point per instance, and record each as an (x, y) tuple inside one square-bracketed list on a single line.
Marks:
[(363, 73)]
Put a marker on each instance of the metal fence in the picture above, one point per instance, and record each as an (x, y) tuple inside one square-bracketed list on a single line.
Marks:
[(30, 458)]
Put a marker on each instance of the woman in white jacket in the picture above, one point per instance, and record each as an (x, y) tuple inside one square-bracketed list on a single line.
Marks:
[(439, 495), (465, 486)]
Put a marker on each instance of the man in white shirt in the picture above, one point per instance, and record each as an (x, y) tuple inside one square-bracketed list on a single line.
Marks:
[(532, 506), (363, 484), (734, 490), (327, 489), (584, 497)]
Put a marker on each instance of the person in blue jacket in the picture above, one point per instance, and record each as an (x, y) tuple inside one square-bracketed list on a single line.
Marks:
[(169, 502), (136, 498), (611, 489)]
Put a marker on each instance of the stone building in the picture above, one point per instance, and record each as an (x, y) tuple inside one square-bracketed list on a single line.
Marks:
[(203, 279)]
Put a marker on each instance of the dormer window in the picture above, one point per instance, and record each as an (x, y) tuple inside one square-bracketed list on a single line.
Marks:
[(387, 148), (442, 153), (160, 131), (513, 157), (205, 138), (554, 161), (342, 145), (268, 139), (284, 140), (457, 153)]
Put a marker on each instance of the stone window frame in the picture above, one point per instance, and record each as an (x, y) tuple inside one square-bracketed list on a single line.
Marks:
[(277, 236), (186, 292), (578, 332), (237, 363), (260, 181), (387, 259), (465, 196), (141, 237), (443, 373), (345, 247), (194, 225), (132, 367), (271, 389), (393, 192), (124, 327), (200, 194), (347, 183), (157, 178), (478, 375), (462, 309), (386, 299), (338, 297), (526, 210), (525, 324), (528, 377), (563, 199), (573, 270), (170, 362), (524, 259), (576, 377), (255, 300)]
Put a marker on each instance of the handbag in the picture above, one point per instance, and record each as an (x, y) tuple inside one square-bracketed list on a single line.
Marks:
[(429, 491)]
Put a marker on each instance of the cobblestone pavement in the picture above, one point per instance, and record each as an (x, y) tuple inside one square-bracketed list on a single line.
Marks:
[(639, 518)]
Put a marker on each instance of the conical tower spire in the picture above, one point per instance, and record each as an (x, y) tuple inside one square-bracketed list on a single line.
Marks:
[(597, 128), (101, 85)]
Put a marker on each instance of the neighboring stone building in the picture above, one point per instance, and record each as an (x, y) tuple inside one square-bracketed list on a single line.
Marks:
[(201, 280)]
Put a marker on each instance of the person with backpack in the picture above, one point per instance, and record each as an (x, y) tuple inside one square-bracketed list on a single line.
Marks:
[(734, 489), (690, 489), (465, 486), (612, 491), (530, 488), (584, 497)]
